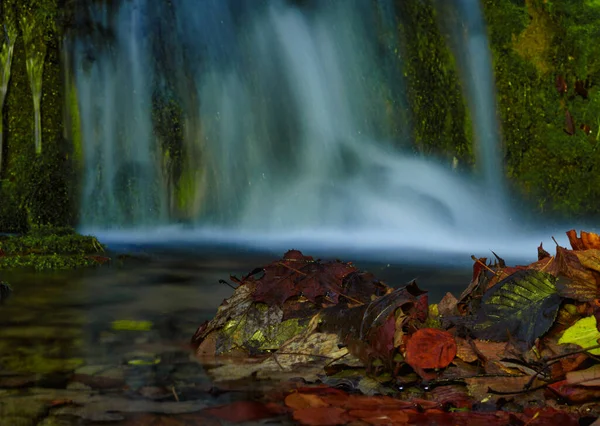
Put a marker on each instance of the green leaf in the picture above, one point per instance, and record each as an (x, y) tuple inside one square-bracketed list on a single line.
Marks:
[(583, 333), (522, 306)]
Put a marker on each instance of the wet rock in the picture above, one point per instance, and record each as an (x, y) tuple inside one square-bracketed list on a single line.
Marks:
[(98, 382), (156, 392), (78, 386), (90, 370), (105, 408)]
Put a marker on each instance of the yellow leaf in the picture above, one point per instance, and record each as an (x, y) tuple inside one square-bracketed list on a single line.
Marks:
[(583, 333), (130, 325)]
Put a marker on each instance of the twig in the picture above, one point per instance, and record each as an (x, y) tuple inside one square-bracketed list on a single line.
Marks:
[(292, 269), (555, 242), (352, 299), (580, 351), (226, 283), (495, 392), (483, 264), (175, 393)]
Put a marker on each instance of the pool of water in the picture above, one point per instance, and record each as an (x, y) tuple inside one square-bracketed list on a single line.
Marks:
[(111, 344)]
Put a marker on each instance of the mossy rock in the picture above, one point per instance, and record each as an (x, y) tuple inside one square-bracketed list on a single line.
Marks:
[(42, 249)]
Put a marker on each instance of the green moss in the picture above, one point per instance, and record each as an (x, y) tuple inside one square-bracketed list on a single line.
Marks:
[(533, 43), (40, 188), (440, 116), (43, 250)]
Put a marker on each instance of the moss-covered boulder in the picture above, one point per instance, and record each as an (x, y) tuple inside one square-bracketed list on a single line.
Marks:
[(46, 248)]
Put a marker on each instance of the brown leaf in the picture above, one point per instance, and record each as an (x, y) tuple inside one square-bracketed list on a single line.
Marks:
[(363, 402), (542, 254), (298, 400), (381, 416), (587, 377), (588, 240), (581, 282), (430, 348), (465, 351), (322, 416), (479, 387), (447, 306)]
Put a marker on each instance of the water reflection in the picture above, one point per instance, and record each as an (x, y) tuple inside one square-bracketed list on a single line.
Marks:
[(62, 335)]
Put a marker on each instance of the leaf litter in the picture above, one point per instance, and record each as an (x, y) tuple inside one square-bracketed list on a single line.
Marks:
[(518, 346)]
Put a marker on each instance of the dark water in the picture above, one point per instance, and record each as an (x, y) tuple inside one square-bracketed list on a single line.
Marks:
[(110, 344)]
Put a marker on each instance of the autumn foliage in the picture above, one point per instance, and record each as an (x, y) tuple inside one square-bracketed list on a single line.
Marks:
[(519, 346)]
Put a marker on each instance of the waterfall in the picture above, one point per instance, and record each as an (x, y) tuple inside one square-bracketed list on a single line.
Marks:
[(286, 137)]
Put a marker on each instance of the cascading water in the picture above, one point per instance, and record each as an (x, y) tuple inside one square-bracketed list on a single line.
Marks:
[(286, 140)]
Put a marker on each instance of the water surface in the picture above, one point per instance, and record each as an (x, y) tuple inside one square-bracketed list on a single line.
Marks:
[(60, 336)]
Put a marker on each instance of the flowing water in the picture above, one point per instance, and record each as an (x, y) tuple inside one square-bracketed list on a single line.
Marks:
[(286, 139)]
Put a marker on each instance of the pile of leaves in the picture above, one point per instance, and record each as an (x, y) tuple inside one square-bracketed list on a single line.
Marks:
[(519, 345)]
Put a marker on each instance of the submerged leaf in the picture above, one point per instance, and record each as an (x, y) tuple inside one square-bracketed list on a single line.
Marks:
[(522, 306), (583, 333)]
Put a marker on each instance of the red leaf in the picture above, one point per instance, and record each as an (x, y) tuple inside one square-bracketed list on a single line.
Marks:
[(298, 275), (324, 416), (240, 411), (430, 348), (574, 393)]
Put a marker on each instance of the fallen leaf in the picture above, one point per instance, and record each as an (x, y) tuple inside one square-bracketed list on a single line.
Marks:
[(574, 393), (465, 351), (588, 377), (381, 416), (429, 348), (581, 283), (542, 254), (323, 416), (583, 333), (522, 306), (479, 387), (240, 411), (447, 305), (298, 400), (588, 240)]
